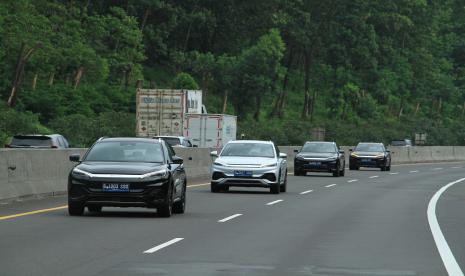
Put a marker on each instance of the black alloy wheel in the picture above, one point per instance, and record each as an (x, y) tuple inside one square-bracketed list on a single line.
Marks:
[(283, 187), (75, 209), (166, 210), (180, 206)]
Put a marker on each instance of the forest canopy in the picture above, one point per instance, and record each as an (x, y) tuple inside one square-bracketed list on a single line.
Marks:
[(361, 69)]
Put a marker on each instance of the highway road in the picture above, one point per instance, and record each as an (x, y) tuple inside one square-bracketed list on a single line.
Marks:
[(366, 223)]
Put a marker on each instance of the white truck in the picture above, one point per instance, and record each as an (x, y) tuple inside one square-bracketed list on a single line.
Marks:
[(162, 111), (210, 130)]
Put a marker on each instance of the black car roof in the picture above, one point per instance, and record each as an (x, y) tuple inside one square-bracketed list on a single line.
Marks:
[(129, 139)]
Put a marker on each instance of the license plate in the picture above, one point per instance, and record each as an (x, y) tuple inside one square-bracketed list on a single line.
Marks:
[(120, 188), (243, 173), (366, 160), (314, 163)]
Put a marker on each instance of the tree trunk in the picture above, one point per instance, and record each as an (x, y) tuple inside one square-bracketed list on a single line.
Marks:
[(78, 77), (418, 109), (21, 62), (34, 82), (152, 84), (306, 106), (439, 106), (144, 19), (401, 110), (258, 103), (463, 109), (139, 84), (225, 101), (279, 103)]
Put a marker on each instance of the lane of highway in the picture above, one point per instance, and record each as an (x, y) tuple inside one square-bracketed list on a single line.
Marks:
[(375, 225)]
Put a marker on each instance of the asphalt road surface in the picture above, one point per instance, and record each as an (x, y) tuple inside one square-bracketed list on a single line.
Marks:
[(366, 223)]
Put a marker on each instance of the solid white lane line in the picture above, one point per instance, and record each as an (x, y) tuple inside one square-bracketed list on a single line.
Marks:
[(230, 218), (455, 168), (394, 173), (306, 192), (448, 258), (163, 245), (374, 176), (274, 202), (330, 185), (437, 169), (413, 171), (352, 180)]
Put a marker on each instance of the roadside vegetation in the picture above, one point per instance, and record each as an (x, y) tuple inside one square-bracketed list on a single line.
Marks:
[(362, 70)]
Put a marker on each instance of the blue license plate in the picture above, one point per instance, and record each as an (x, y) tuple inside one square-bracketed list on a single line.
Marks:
[(115, 188), (314, 164), (243, 173), (366, 160)]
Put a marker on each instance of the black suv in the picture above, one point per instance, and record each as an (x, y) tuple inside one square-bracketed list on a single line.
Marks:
[(320, 157), (371, 155), (128, 172)]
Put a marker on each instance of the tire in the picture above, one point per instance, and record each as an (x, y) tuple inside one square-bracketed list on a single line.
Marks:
[(352, 168), (95, 209), (383, 168), (388, 168), (180, 206), (337, 172), (225, 189), (75, 209), (343, 171), (214, 188), (283, 187), (166, 210), (275, 188), (297, 172)]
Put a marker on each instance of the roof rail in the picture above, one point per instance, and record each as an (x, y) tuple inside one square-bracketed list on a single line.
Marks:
[(101, 138)]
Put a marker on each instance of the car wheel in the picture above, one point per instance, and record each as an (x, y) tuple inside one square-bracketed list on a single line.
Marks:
[(388, 168), (166, 210), (95, 209), (337, 172), (383, 168), (297, 172), (283, 187), (180, 206), (225, 189), (214, 187), (274, 189), (351, 167), (343, 171), (75, 209)]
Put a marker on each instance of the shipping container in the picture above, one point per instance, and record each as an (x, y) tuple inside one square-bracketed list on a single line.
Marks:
[(162, 111), (210, 130)]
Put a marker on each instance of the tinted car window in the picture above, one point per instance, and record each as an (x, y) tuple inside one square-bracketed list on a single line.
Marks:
[(370, 147), (248, 149), (319, 148), (34, 141), (172, 141), (126, 152)]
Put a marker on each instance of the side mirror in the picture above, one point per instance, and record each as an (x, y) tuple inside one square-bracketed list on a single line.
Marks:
[(282, 155), (177, 160), (351, 150), (214, 153), (388, 151), (296, 150), (195, 146), (74, 158), (341, 151)]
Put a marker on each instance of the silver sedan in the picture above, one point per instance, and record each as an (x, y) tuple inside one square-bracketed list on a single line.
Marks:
[(249, 163)]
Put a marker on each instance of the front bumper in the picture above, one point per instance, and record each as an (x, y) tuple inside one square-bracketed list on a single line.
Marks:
[(369, 162), (151, 194), (311, 165), (261, 177)]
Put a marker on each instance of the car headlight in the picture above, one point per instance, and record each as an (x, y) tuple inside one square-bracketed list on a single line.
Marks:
[(300, 158), (353, 155), (157, 174), (80, 173), (269, 165), (219, 164), (379, 156)]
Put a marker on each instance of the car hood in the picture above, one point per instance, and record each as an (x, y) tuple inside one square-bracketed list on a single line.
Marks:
[(368, 153), (246, 161), (316, 155), (126, 168)]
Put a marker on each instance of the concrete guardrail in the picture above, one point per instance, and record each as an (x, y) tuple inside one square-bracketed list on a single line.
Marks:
[(36, 172)]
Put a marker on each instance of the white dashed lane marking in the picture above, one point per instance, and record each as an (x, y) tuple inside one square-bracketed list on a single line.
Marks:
[(413, 171), (306, 192), (274, 202), (330, 185), (374, 176), (230, 218), (163, 245), (352, 180), (393, 173)]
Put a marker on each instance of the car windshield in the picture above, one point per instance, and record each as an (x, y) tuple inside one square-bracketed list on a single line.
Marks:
[(319, 148), (129, 151), (173, 141), (31, 141), (248, 150), (370, 147)]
